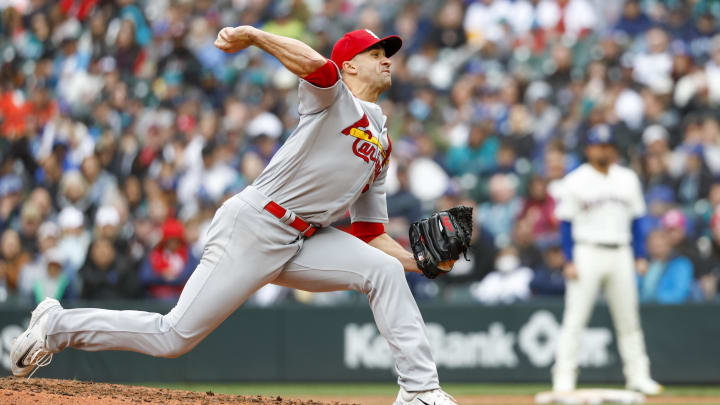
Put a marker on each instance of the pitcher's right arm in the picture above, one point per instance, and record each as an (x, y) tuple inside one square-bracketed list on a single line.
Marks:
[(295, 55)]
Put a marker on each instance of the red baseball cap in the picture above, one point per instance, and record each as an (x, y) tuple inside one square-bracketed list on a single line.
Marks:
[(357, 41)]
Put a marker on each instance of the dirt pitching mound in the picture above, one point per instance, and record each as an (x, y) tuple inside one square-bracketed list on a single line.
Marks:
[(37, 391)]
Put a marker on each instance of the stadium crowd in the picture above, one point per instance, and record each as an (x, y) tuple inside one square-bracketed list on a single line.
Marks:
[(122, 129)]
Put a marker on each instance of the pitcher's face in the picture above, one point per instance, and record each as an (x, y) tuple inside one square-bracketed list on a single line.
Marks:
[(373, 67)]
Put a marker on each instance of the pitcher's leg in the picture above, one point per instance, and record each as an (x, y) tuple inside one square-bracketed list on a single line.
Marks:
[(621, 292), (333, 260), (580, 296), (233, 266)]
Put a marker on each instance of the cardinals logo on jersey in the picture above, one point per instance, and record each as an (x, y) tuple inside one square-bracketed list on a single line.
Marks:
[(367, 147), (363, 147)]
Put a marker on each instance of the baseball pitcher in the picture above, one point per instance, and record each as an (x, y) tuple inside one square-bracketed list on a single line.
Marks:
[(276, 230), (599, 206)]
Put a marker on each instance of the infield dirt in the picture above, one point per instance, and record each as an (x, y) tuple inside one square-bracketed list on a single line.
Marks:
[(17, 391)]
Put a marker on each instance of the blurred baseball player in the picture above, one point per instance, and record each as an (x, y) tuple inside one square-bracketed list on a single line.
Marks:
[(599, 206), (276, 230)]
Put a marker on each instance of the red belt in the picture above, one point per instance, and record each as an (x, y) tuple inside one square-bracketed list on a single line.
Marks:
[(306, 229)]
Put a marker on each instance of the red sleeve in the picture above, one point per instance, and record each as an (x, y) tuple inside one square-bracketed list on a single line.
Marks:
[(325, 76), (367, 231)]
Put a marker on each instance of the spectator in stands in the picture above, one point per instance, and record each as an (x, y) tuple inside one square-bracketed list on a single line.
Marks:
[(30, 219), (51, 172), (169, 264), (656, 140), (545, 116), (48, 235), (42, 200), (548, 279), (102, 186), (75, 239), (528, 250), (669, 276), (107, 225), (108, 274), (49, 279), (655, 171), (403, 203), (508, 162), (10, 200), (633, 21), (212, 177), (556, 163), (659, 200), (509, 282), (498, 214), (680, 23), (674, 222), (652, 67), (448, 30), (694, 183), (12, 259), (479, 155), (74, 192), (691, 143), (538, 210), (133, 96), (561, 57), (519, 133)]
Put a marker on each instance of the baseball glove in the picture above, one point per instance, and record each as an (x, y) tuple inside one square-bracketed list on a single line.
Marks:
[(441, 237)]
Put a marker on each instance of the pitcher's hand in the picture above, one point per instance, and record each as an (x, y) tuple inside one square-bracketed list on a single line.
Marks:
[(233, 39), (569, 271)]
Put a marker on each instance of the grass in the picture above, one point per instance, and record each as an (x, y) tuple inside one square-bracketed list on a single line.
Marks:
[(285, 389), (389, 389)]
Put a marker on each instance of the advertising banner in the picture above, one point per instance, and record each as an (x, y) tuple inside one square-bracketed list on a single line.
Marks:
[(470, 343)]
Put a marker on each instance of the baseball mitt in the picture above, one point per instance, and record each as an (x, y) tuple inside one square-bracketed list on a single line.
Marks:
[(442, 237)]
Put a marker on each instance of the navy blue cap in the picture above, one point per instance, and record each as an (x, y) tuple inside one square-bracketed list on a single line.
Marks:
[(661, 193), (600, 135)]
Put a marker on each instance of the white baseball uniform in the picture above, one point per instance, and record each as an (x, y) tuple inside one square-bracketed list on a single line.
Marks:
[(335, 159), (601, 209)]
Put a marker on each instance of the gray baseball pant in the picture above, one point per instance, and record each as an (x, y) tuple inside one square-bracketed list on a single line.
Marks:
[(247, 248)]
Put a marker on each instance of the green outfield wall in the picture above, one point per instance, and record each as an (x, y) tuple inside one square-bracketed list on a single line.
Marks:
[(470, 343)]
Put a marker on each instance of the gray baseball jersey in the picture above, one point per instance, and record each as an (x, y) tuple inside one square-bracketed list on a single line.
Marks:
[(334, 160)]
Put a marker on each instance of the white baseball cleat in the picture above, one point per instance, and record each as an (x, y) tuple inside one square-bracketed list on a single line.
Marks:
[(28, 350), (563, 384), (431, 397), (43, 307), (646, 386)]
